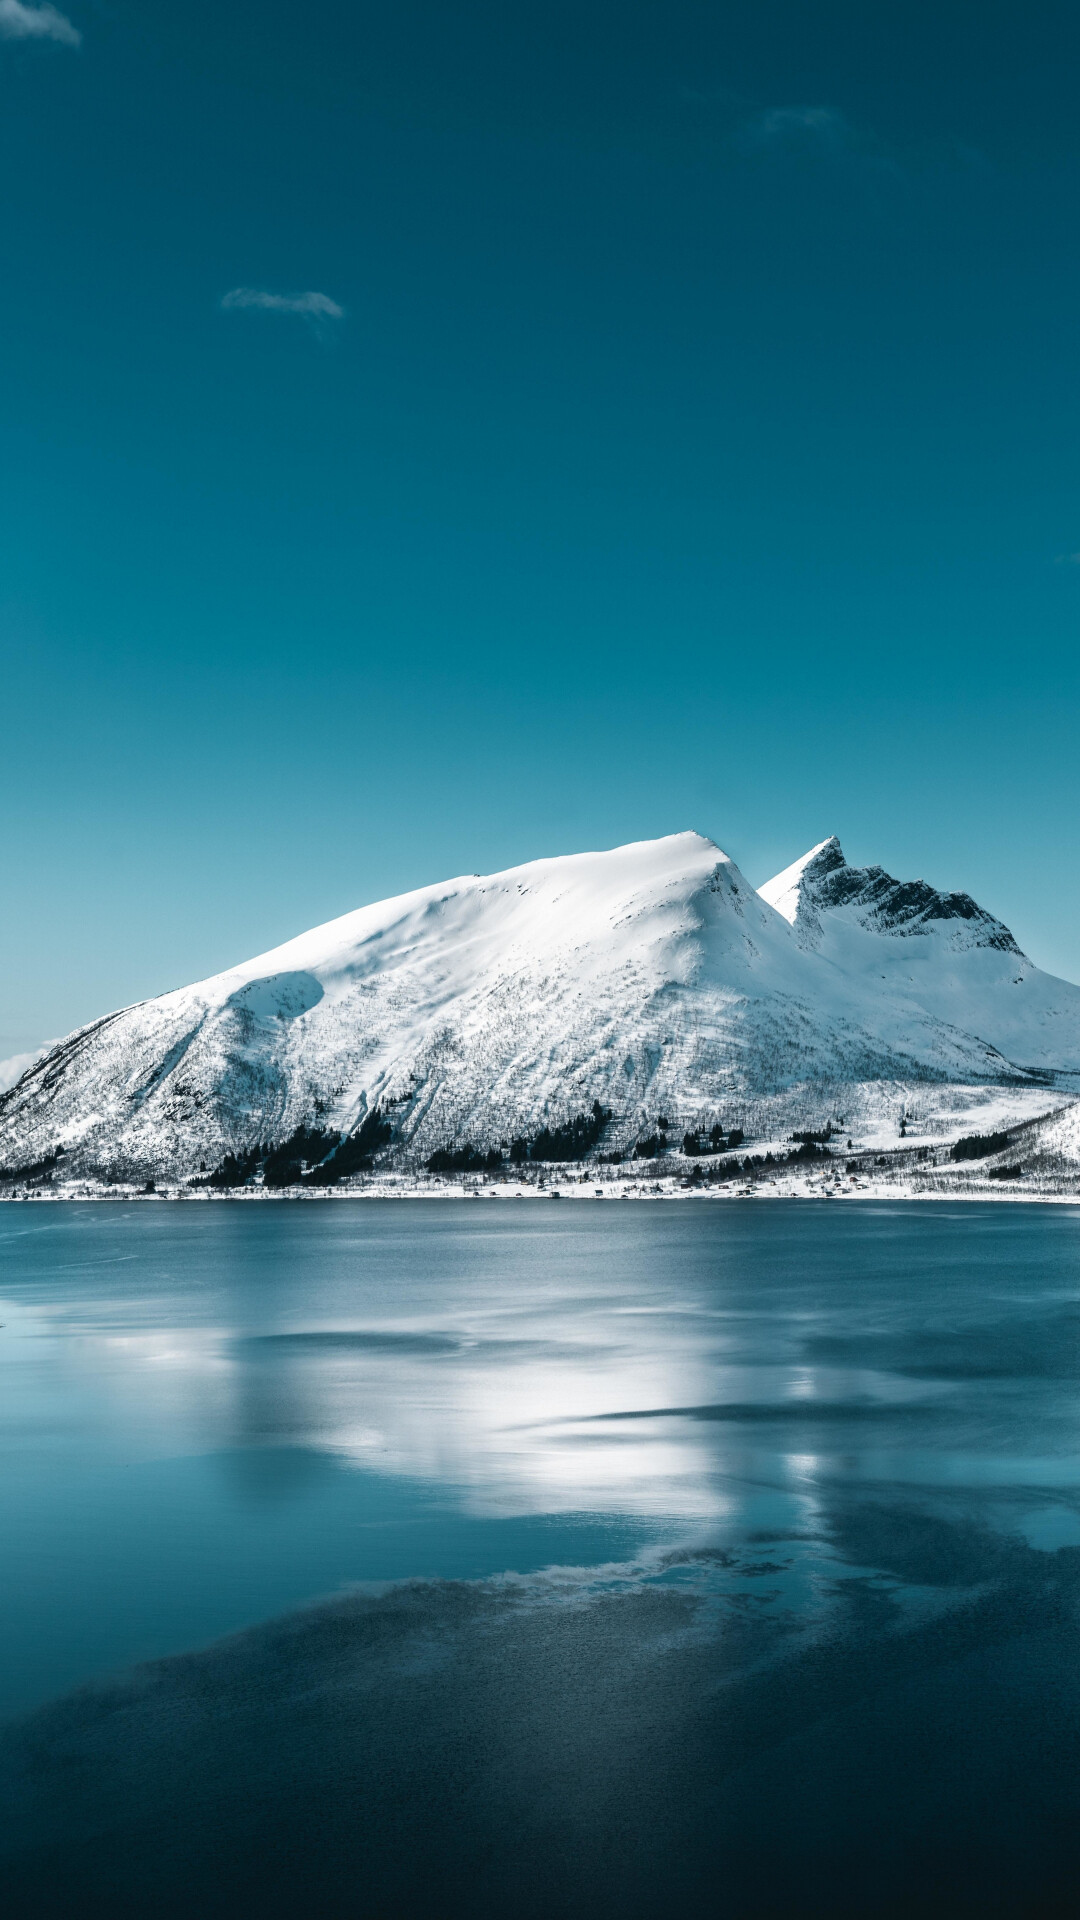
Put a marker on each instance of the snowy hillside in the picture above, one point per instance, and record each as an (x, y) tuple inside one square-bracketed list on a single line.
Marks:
[(653, 979)]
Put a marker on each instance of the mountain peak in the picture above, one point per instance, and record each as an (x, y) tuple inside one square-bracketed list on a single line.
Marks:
[(870, 899), (789, 891)]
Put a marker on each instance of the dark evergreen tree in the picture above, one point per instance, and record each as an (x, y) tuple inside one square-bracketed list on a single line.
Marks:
[(464, 1159), (811, 1149), (235, 1170), (284, 1165), (977, 1146), (651, 1148), (712, 1142), (574, 1139), (355, 1153)]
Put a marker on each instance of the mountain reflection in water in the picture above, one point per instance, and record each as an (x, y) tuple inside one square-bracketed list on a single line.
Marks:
[(741, 1549)]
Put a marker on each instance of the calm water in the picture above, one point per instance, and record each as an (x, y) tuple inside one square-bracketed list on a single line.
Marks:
[(790, 1496)]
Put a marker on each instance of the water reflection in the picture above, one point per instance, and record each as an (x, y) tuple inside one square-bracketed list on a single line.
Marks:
[(705, 1375), (501, 1378)]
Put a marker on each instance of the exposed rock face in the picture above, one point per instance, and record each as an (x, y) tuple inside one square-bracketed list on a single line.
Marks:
[(822, 883)]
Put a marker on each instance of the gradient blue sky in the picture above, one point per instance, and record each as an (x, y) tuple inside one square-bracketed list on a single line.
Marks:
[(698, 445)]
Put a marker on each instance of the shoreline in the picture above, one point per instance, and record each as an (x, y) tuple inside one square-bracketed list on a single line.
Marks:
[(669, 1191)]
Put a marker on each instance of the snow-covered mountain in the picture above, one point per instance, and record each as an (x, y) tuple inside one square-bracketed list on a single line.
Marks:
[(653, 978)]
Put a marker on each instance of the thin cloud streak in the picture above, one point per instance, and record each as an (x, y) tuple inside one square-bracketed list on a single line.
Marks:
[(310, 306), (790, 125), (20, 22)]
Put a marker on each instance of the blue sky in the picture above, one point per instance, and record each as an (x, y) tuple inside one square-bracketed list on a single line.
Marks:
[(433, 437)]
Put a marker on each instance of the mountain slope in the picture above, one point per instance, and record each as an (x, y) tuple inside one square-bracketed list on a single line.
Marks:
[(652, 978)]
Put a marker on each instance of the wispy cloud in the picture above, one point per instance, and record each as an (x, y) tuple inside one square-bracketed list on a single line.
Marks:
[(310, 306), (13, 1068), (796, 126), (19, 22)]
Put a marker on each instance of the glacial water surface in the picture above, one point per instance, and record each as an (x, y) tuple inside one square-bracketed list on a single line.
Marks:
[(519, 1559)]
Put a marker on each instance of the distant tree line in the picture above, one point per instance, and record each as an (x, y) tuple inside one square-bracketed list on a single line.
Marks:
[(717, 1140), (734, 1169), (355, 1153), (810, 1149), (696, 1142), (573, 1140), (465, 1159), (651, 1147), (42, 1169), (313, 1156), (977, 1146), (309, 1157)]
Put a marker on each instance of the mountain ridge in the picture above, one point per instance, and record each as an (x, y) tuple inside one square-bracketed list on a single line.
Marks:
[(822, 881)]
